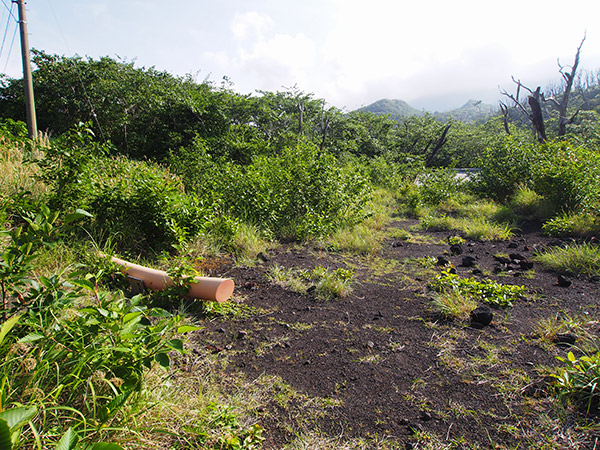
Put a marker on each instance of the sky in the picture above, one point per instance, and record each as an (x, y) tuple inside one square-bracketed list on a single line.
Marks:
[(434, 54)]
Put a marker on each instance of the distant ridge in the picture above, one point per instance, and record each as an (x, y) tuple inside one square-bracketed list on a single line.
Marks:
[(397, 109), (472, 111)]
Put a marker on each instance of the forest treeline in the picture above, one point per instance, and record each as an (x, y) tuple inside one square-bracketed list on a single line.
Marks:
[(158, 158)]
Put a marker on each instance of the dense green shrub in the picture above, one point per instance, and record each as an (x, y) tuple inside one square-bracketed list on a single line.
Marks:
[(504, 168), (302, 192), (137, 205), (299, 193), (141, 206), (566, 176)]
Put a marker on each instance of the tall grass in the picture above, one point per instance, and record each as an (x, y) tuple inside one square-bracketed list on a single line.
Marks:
[(17, 176), (581, 258)]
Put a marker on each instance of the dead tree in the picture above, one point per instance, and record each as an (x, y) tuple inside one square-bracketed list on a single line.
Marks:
[(569, 78), (438, 146), (536, 98), (534, 114)]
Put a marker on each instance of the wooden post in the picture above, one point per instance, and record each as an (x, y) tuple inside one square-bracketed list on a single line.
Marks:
[(27, 79)]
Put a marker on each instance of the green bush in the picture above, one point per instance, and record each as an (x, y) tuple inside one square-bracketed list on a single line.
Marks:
[(504, 168), (438, 185), (566, 176), (299, 193), (78, 362), (141, 206)]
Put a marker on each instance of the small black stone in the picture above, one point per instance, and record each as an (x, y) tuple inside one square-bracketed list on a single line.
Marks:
[(481, 317), (468, 261), (456, 249), (565, 339), (526, 265), (513, 245), (441, 261), (564, 281), (262, 257)]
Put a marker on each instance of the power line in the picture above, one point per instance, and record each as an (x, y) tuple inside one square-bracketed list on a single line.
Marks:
[(6, 29), (10, 13), (12, 42)]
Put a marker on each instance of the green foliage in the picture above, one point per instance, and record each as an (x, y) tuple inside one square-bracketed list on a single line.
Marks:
[(438, 185), (79, 365), (580, 380), (504, 167), (299, 193), (486, 290), (454, 303), (567, 176), (232, 435), (581, 258), (139, 206)]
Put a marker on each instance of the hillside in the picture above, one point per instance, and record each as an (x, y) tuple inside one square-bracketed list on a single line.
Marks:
[(397, 109), (471, 111)]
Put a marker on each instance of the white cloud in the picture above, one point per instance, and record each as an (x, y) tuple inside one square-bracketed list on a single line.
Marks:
[(251, 24)]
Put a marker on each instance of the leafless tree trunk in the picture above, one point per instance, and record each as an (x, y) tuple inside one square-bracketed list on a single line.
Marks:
[(536, 98), (569, 78), (438, 146)]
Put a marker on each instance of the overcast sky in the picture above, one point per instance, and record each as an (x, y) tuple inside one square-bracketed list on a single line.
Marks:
[(349, 52)]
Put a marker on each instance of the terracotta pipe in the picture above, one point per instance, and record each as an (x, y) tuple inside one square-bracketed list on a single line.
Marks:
[(207, 288)]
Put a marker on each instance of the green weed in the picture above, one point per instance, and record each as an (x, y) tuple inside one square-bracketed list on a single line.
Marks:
[(580, 379), (486, 290), (581, 258)]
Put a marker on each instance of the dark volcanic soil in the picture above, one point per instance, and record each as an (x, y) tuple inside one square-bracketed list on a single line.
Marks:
[(382, 364)]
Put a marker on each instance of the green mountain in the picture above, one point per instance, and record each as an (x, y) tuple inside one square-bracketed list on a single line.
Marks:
[(397, 109), (472, 111)]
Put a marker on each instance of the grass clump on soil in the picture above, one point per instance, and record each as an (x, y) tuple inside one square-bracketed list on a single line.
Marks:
[(324, 283), (581, 259), (572, 224), (454, 304), (473, 228)]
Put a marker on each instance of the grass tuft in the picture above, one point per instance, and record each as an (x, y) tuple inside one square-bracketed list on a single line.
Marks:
[(581, 259)]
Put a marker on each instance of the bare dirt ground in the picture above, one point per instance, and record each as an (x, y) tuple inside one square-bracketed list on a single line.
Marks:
[(382, 365)]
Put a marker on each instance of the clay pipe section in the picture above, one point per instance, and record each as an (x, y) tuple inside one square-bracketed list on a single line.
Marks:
[(206, 288)]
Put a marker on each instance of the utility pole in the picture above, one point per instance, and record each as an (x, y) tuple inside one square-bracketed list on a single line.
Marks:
[(27, 79)]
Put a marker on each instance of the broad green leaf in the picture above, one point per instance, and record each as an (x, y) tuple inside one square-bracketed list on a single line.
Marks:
[(130, 316), (7, 326), (187, 328), (162, 359), (17, 417), (32, 337), (86, 284), (68, 441), (5, 442), (177, 344), (77, 215)]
